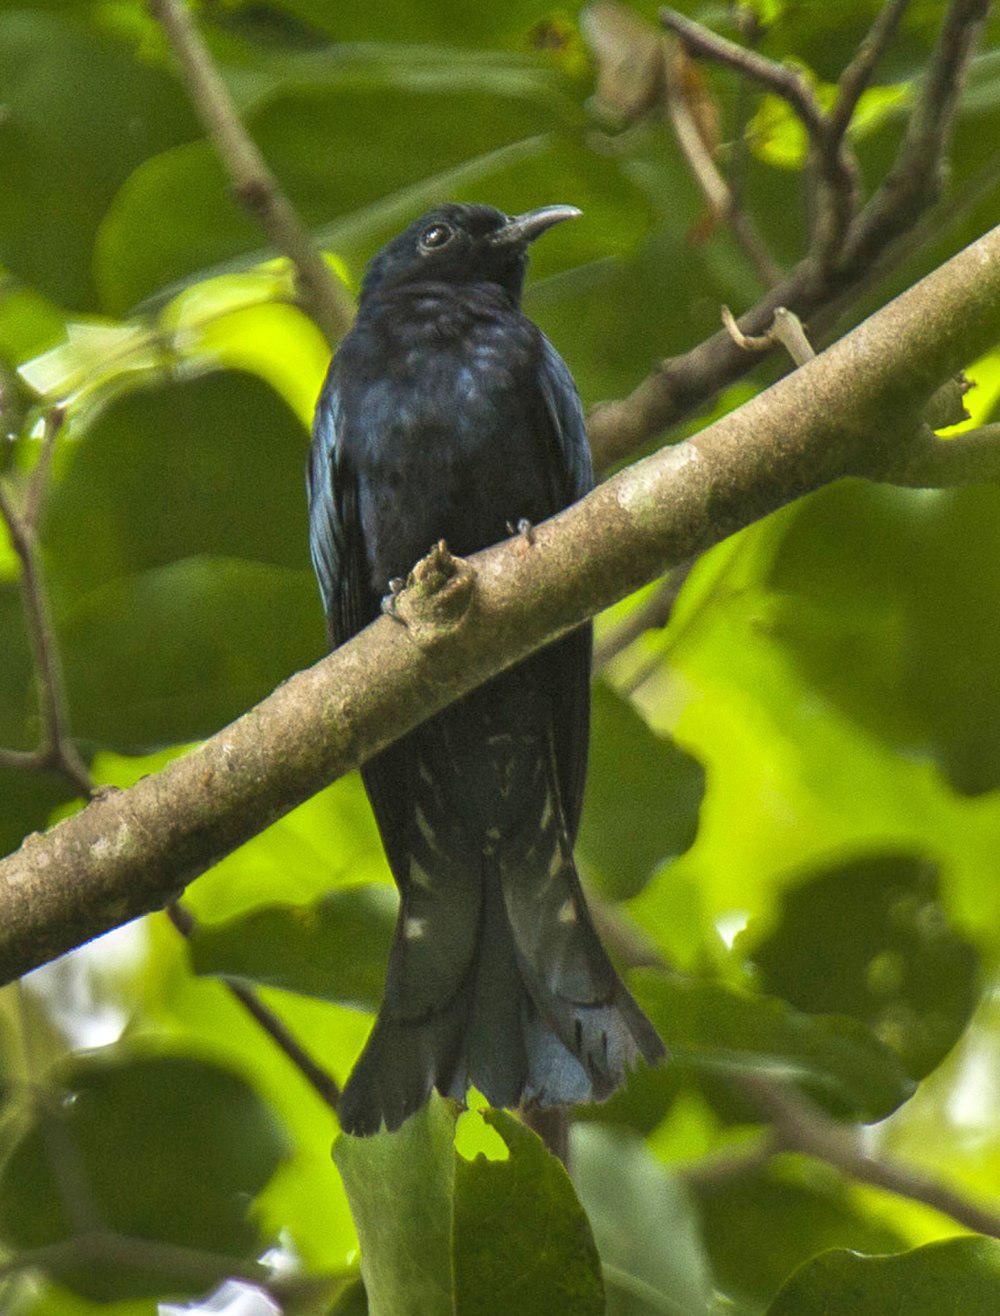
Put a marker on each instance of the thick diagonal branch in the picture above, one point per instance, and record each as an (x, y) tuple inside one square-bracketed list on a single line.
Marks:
[(848, 411)]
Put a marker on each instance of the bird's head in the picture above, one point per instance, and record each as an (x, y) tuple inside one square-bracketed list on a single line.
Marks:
[(462, 244)]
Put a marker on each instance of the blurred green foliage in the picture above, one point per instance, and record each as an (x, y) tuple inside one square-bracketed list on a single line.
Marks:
[(795, 785)]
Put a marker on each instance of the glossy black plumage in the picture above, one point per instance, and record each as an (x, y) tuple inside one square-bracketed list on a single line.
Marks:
[(447, 414)]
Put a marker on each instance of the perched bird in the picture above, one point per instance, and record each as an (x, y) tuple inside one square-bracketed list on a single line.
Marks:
[(447, 414)]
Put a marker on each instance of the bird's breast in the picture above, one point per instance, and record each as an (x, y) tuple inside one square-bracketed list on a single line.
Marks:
[(443, 437)]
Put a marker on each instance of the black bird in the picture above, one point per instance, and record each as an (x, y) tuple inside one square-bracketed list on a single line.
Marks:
[(446, 414)]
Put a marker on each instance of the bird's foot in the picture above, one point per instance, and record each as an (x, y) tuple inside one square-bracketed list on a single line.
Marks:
[(523, 529), (434, 598), (390, 604)]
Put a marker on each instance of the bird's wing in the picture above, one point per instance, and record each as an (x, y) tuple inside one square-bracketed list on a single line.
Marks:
[(565, 416), (336, 542), (334, 534), (563, 670)]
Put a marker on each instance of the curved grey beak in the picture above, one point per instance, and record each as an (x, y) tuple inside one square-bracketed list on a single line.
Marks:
[(532, 224)]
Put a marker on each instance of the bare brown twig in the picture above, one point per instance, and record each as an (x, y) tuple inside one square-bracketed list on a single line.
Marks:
[(56, 750), (720, 197), (254, 184), (799, 1125), (856, 77), (917, 173), (653, 614), (322, 1083)]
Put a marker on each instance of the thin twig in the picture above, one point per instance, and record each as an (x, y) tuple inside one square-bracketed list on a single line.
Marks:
[(723, 1166), (56, 750), (717, 191), (917, 173), (857, 76), (751, 30), (322, 1083), (255, 186), (98, 1247), (832, 168), (652, 614), (786, 329), (799, 1125), (781, 79), (38, 484)]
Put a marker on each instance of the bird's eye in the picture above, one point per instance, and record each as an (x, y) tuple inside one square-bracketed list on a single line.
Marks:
[(436, 236)]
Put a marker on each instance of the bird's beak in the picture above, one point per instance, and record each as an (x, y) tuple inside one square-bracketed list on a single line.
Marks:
[(532, 224)]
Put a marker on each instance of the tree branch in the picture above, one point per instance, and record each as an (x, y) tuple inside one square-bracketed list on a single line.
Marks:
[(254, 185), (848, 411), (682, 384), (781, 79), (832, 168), (799, 1125), (934, 463), (918, 170), (857, 76)]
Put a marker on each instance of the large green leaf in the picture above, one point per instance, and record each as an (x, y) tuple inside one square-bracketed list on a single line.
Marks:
[(645, 1225), (336, 949), (80, 112), (160, 1147), (642, 800), (761, 1225), (869, 938), (885, 600), (955, 1275), (441, 1235), (711, 1029), (174, 653), (211, 466)]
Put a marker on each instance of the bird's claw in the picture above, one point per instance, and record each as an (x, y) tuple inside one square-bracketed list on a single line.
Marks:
[(524, 529), (390, 604)]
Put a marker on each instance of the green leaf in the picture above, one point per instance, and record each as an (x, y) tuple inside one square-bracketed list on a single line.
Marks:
[(869, 938), (623, 1189), (713, 1029), (163, 1147), (401, 1188), (175, 653), (210, 466), (884, 599), (335, 949), (80, 112), (761, 1225), (522, 1241), (443, 1235), (642, 800), (954, 1275)]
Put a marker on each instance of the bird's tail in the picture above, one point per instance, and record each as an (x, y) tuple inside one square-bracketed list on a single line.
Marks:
[(539, 1017)]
